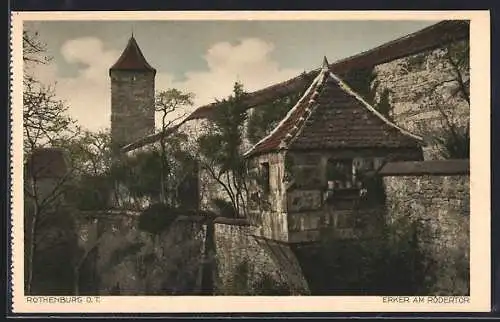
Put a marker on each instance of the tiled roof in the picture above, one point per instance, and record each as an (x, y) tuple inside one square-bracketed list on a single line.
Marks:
[(132, 58), (331, 115), (425, 39)]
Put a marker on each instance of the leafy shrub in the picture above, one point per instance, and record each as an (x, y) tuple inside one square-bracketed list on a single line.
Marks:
[(266, 285), (157, 218), (454, 144), (225, 208)]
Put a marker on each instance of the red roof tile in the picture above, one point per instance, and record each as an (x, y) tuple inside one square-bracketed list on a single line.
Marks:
[(330, 115), (132, 58)]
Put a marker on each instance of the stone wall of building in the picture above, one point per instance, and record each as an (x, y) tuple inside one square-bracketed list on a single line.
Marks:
[(437, 197), (308, 209), (267, 196), (132, 106)]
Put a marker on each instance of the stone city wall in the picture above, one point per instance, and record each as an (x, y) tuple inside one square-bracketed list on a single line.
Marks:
[(436, 195)]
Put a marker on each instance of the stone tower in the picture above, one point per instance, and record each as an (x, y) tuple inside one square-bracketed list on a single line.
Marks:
[(132, 97)]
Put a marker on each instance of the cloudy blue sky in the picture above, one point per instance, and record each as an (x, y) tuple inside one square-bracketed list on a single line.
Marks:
[(203, 57)]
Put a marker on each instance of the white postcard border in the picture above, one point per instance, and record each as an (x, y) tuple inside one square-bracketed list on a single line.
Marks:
[(479, 300)]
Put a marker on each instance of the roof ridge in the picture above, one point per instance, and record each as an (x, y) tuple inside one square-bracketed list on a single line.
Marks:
[(287, 116), (370, 108), (323, 76), (132, 58)]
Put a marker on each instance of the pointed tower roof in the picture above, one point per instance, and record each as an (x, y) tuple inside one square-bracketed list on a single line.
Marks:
[(132, 58), (330, 115)]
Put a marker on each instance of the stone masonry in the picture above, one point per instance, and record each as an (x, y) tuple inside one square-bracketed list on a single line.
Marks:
[(436, 194), (132, 97)]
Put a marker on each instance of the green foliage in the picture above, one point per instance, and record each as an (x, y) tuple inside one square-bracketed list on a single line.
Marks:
[(172, 99), (53, 273), (122, 253), (266, 285), (391, 264), (139, 173), (416, 62), (220, 147), (90, 193), (157, 218), (384, 104), (45, 118), (241, 276), (264, 118), (367, 85), (168, 103), (143, 172), (90, 152), (363, 81), (455, 143), (225, 208), (227, 128)]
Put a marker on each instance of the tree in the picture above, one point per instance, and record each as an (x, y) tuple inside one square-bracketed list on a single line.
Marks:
[(47, 221), (34, 50), (264, 118), (45, 116), (91, 186), (44, 123), (454, 140), (52, 201), (450, 97), (220, 149), (167, 103)]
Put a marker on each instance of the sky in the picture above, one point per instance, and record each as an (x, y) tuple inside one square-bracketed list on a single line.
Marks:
[(202, 57)]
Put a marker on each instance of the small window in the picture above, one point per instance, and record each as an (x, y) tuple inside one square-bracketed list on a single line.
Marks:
[(368, 165), (265, 177), (339, 170)]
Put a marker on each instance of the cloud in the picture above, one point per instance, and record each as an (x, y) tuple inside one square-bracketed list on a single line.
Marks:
[(248, 62), (88, 93)]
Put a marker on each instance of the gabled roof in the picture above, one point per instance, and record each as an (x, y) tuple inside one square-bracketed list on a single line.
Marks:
[(331, 115), (425, 39), (132, 58)]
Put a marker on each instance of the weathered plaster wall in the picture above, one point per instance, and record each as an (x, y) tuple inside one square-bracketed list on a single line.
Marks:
[(441, 204), (267, 206)]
